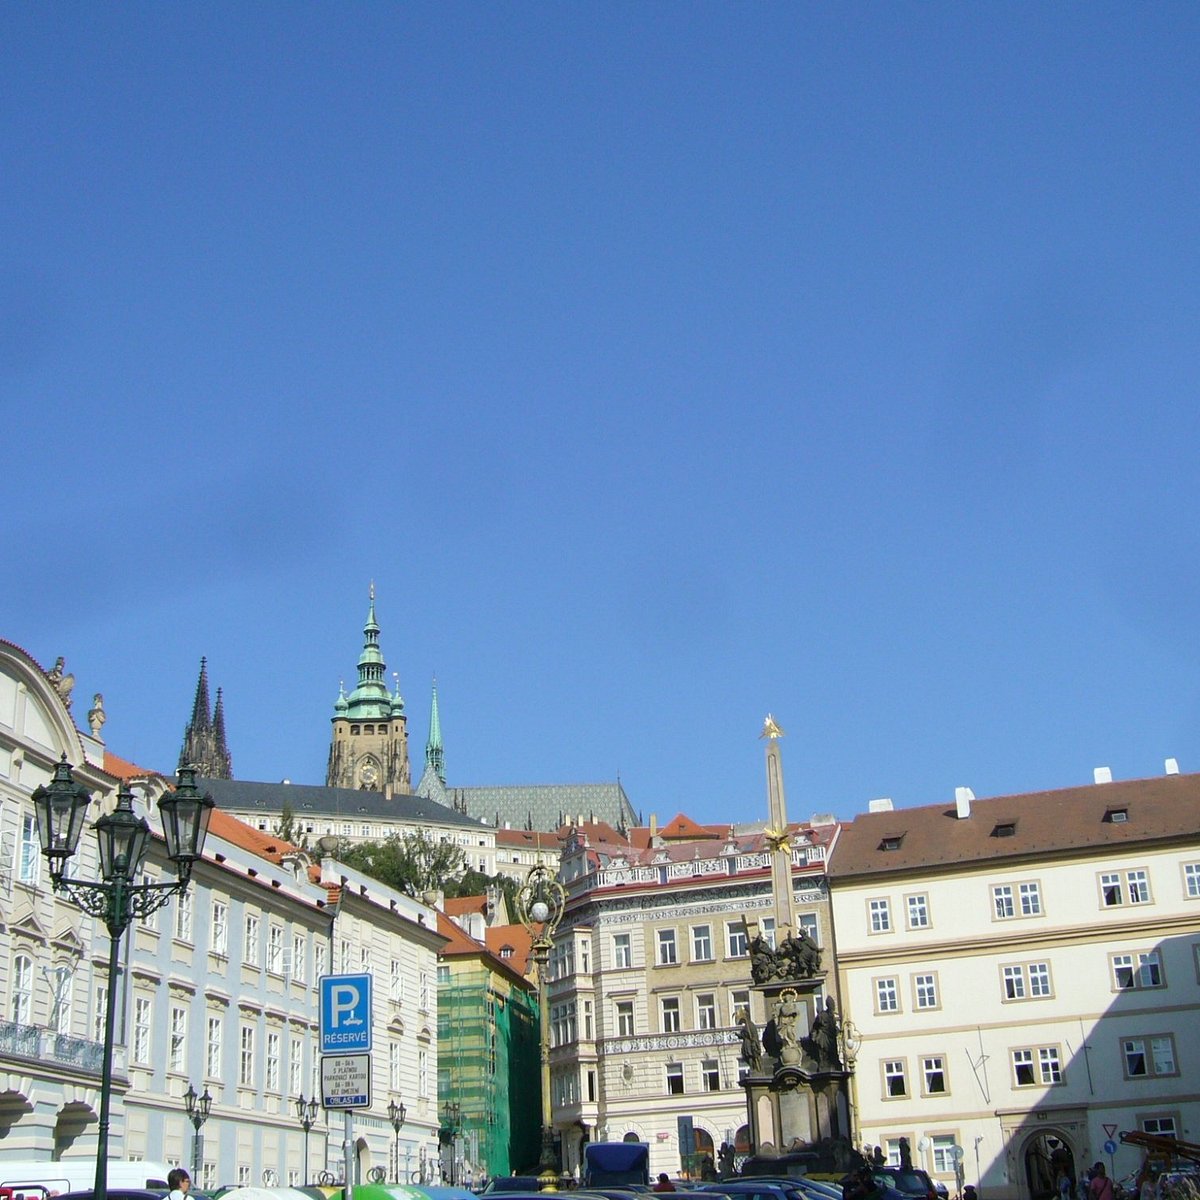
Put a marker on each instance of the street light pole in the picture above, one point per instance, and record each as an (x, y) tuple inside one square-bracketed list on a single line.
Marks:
[(306, 1111), (123, 837), (540, 905), (451, 1114), (198, 1108), (396, 1114)]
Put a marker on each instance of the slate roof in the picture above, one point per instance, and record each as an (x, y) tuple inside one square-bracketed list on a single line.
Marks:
[(307, 800), (546, 806), (1036, 824)]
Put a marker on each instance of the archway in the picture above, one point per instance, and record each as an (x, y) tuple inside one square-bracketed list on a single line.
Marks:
[(1045, 1155)]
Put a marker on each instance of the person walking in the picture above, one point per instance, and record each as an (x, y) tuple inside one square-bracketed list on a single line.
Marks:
[(179, 1181), (1101, 1187)]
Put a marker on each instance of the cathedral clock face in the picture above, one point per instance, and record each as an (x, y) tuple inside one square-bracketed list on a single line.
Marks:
[(368, 774)]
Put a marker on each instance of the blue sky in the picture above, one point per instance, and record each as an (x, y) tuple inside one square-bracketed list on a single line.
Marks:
[(663, 364)]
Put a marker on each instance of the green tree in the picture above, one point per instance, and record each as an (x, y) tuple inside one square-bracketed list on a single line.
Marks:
[(412, 863)]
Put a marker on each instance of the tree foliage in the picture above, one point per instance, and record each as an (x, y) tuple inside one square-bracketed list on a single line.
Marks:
[(412, 863)]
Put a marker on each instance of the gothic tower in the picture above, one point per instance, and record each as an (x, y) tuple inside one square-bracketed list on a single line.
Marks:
[(435, 755), (369, 747), (204, 737)]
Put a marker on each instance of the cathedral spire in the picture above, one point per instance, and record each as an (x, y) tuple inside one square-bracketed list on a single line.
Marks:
[(435, 755), (204, 745), (200, 704)]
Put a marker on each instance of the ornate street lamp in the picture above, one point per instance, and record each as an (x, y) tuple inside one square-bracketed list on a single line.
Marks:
[(396, 1114), (851, 1043), (451, 1117), (198, 1108), (123, 837), (540, 905), (306, 1112)]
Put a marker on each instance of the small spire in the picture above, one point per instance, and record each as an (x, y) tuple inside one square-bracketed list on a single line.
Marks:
[(222, 747), (435, 754), (200, 705)]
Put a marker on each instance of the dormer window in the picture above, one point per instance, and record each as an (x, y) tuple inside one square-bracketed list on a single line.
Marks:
[(1117, 816), (892, 842), (1004, 829)]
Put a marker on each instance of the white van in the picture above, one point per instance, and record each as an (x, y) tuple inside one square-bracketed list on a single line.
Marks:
[(37, 1179)]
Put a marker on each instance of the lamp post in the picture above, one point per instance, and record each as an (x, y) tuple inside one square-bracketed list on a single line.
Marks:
[(198, 1108), (540, 905), (123, 837), (451, 1116), (306, 1112), (396, 1114)]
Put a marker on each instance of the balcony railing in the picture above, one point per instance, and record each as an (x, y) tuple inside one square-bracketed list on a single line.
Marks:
[(622, 874), (44, 1045)]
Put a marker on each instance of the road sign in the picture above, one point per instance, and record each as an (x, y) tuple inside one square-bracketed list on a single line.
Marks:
[(1110, 1131), (346, 1080), (1110, 1147), (345, 1014)]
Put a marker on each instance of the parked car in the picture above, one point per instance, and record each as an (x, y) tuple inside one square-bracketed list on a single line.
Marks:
[(512, 1183), (910, 1181)]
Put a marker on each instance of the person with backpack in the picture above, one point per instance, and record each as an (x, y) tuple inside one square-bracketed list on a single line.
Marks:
[(1101, 1187)]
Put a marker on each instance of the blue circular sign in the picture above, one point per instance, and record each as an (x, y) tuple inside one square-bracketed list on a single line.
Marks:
[(1110, 1147)]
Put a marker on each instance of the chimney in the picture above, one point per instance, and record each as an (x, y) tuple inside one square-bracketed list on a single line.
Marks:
[(654, 825), (962, 802), (1102, 775), (1171, 766), (883, 804)]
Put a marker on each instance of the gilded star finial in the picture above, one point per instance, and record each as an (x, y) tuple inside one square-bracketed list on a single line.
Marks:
[(771, 728), (778, 839)]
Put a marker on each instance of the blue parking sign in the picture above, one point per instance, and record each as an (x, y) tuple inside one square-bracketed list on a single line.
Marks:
[(345, 1014)]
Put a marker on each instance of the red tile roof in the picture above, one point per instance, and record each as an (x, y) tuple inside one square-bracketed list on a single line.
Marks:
[(514, 938), (119, 768)]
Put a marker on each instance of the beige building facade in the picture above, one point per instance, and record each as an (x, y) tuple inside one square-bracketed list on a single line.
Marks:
[(1024, 973)]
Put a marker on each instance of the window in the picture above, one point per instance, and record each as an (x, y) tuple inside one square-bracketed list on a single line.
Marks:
[(585, 956), (674, 1079), (918, 911), (766, 928), (246, 1059), (299, 948), (739, 998), (739, 947), (670, 1014), (423, 994), (1163, 1126), (625, 1018), (29, 854), (894, 1083), (177, 1050), (933, 1068), (1033, 1065), (393, 1066), (1140, 970), (250, 940), (141, 1029), (1002, 901), (22, 993), (710, 1075), (589, 1026), (275, 949), (1039, 980), (320, 959), (880, 913), (1191, 880), (1031, 899), (702, 950), (423, 1073), (183, 917), (1117, 888), (212, 1058), (98, 1013), (706, 1011), (220, 928), (296, 1066), (1026, 981), (1014, 983), (150, 920), (944, 1147), (61, 983), (1145, 1057), (666, 948), (887, 996), (925, 991), (622, 950)]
